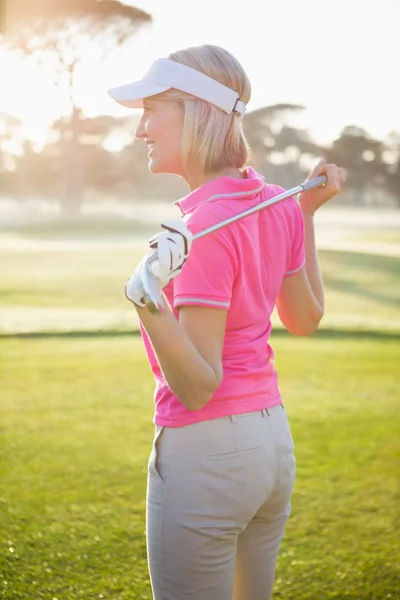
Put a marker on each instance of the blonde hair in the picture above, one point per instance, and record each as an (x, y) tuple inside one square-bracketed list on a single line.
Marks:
[(210, 136)]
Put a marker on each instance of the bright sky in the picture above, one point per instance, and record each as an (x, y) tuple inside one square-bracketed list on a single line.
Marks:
[(340, 59)]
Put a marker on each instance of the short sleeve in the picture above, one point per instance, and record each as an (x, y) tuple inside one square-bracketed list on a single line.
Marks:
[(208, 276), (297, 256)]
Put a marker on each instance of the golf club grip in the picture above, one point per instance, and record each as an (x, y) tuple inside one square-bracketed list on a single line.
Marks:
[(313, 183)]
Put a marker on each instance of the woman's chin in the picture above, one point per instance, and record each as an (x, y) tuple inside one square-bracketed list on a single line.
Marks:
[(154, 166), (158, 166)]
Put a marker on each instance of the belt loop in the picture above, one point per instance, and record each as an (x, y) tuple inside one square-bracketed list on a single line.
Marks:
[(233, 418), (265, 413)]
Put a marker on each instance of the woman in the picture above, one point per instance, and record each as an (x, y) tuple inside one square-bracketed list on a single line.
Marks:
[(222, 466)]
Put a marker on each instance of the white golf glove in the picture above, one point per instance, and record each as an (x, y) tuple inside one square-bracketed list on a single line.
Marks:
[(168, 254), (172, 247), (142, 284)]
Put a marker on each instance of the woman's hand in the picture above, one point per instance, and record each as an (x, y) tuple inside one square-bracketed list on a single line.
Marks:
[(164, 261), (136, 289), (311, 200), (173, 247)]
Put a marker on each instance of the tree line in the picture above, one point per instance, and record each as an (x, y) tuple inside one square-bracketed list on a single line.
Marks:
[(99, 156)]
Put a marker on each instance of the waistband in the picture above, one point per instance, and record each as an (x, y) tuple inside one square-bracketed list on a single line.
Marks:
[(264, 412)]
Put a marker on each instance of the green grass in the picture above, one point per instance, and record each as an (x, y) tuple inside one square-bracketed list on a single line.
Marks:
[(362, 290), (379, 236), (71, 275), (67, 279), (86, 227), (76, 432), (53, 290), (76, 425), (82, 289)]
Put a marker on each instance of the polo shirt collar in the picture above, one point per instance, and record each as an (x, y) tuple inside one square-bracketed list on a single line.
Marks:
[(223, 187)]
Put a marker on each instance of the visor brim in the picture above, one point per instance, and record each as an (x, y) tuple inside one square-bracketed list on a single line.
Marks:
[(131, 95)]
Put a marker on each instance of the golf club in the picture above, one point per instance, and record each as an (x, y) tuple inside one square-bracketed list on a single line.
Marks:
[(154, 294)]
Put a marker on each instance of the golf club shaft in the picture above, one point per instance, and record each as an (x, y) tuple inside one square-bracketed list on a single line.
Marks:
[(307, 185), (155, 305)]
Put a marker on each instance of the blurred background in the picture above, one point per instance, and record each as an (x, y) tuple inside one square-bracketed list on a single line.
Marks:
[(73, 178), (77, 206)]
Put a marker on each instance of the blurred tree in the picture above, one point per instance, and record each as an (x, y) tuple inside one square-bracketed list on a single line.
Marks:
[(38, 172), (292, 155), (363, 158), (92, 134), (392, 166), (67, 36), (9, 131), (276, 147), (260, 127)]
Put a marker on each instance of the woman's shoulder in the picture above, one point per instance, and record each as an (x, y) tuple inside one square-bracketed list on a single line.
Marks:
[(271, 190), (207, 214)]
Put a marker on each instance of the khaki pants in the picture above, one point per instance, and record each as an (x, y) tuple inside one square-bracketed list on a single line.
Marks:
[(218, 498)]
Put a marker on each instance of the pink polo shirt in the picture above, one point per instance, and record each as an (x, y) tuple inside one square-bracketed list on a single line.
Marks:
[(240, 269)]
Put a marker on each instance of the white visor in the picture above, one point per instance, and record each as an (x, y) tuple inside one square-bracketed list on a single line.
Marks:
[(165, 74)]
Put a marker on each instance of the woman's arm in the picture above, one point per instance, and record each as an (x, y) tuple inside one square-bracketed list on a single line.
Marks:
[(297, 307), (300, 303), (189, 351), (313, 271)]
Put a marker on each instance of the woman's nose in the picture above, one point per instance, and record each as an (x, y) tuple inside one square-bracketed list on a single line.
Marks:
[(140, 132)]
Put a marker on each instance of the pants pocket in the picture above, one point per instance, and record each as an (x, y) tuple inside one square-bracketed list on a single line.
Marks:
[(283, 434), (235, 454)]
